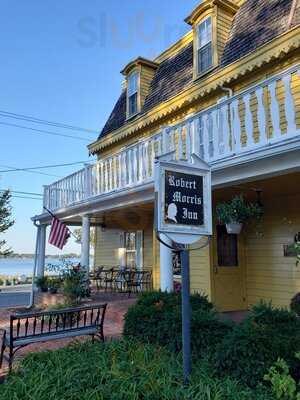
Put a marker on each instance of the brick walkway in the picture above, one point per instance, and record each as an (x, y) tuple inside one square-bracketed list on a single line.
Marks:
[(113, 324)]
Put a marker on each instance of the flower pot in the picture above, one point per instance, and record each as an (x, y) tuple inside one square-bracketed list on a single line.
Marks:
[(234, 228)]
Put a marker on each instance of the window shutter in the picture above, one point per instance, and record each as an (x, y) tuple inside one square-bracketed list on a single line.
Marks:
[(139, 250)]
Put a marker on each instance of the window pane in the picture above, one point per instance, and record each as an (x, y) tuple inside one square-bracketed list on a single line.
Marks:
[(130, 245), (205, 58), (132, 104), (227, 248), (204, 33), (133, 83), (130, 241)]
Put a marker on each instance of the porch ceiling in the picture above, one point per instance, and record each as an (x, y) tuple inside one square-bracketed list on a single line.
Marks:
[(279, 186)]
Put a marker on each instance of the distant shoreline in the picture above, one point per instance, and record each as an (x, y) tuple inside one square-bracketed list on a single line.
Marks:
[(30, 256)]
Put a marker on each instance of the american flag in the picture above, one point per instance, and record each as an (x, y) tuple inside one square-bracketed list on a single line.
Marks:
[(59, 233)]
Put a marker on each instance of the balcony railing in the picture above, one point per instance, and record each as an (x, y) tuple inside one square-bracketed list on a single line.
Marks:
[(261, 116)]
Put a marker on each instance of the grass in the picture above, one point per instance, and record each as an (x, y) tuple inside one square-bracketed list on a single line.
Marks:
[(119, 370)]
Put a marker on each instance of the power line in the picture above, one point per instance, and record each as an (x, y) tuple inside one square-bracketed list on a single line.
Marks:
[(25, 197), (16, 191), (44, 131), (32, 172), (44, 166), (45, 122)]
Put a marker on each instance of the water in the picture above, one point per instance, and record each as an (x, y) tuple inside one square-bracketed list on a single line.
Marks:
[(24, 266)]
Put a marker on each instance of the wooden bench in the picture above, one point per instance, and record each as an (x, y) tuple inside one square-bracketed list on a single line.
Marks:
[(34, 327)]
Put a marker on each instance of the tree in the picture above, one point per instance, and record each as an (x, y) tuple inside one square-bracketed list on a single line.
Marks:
[(5, 219), (78, 233)]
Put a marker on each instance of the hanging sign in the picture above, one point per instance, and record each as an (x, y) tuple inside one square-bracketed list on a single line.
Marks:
[(183, 199)]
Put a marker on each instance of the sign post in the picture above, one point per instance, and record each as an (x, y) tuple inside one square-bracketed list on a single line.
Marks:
[(186, 314), (183, 214)]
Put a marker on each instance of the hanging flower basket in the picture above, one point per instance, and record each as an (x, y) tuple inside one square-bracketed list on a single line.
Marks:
[(234, 228), (236, 212)]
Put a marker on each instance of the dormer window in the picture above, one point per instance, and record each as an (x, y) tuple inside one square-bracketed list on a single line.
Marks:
[(132, 93), (211, 21), (204, 46)]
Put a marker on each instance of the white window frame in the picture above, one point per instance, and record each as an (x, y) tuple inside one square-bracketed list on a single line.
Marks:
[(133, 91), (138, 251), (208, 40)]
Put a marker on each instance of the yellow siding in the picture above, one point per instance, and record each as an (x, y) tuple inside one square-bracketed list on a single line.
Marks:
[(156, 261), (148, 249), (270, 275), (224, 23), (107, 243), (146, 76), (200, 271)]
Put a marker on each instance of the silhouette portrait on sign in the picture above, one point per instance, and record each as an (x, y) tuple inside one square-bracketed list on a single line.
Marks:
[(172, 212)]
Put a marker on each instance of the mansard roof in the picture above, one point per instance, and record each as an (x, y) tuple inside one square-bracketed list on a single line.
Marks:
[(256, 23)]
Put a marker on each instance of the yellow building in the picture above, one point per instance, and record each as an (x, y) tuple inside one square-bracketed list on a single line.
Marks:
[(229, 91)]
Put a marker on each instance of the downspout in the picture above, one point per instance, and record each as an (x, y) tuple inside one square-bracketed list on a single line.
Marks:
[(292, 13), (34, 267), (227, 89)]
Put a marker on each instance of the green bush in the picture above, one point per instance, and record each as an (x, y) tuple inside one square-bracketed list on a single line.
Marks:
[(119, 370), (156, 318), (1, 282), (265, 314), (255, 345), (75, 285)]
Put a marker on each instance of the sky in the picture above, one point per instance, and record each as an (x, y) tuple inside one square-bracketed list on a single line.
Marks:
[(61, 61)]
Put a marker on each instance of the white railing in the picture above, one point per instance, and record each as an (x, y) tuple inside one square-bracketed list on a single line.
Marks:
[(262, 115)]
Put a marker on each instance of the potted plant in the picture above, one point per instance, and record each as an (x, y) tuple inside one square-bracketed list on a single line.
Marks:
[(53, 285), (236, 212), (42, 283)]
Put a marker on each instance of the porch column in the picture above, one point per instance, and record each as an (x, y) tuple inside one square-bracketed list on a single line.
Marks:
[(41, 251), (85, 243), (166, 266)]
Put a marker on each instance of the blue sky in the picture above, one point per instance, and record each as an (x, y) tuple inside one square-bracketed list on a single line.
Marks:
[(61, 61)]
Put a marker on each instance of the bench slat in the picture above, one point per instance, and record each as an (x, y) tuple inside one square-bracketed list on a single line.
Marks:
[(55, 335)]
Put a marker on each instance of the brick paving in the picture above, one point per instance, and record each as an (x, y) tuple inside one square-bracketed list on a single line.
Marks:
[(118, 304)]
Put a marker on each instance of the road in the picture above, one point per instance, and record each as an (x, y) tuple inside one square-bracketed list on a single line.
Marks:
[(15, 297)]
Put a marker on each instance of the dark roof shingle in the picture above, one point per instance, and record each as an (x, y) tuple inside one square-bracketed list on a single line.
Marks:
[(256, 23)]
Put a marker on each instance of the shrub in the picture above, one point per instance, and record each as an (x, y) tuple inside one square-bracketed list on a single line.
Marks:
[(119, 370), (75, 285), (265, 314), (156, 318), (295, 304), (1, 282), (255, 345), (54, 284)]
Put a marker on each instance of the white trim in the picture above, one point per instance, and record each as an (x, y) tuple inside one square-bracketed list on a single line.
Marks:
[(139, 250)]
